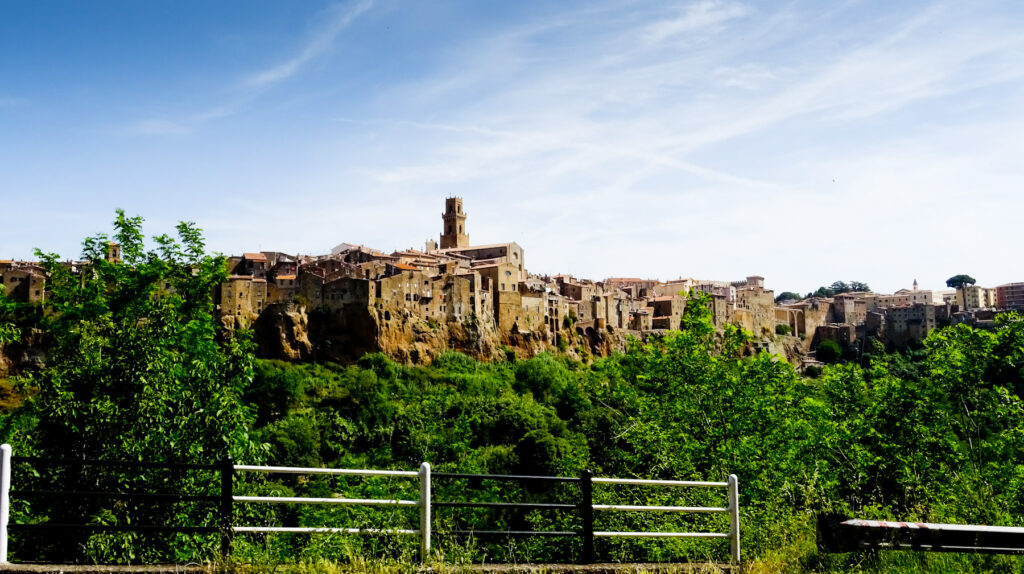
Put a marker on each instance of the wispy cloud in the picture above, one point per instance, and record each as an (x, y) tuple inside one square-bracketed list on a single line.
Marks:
[(337, 19), (622, 135), (748, 76), (331, 23), (11, 102), (704, 17), (766, 117)]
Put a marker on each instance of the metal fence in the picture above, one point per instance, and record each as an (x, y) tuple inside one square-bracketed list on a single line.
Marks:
[(581, 505)]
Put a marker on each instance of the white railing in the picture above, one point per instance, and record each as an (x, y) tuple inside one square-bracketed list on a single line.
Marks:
[(733, 510), (585, 506), (423, 503)]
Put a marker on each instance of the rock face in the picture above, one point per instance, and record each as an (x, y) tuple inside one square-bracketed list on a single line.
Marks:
[(283, 332), (290, 332), (28, 353)]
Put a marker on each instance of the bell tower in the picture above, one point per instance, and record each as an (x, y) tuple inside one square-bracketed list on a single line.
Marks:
[(454, 232)]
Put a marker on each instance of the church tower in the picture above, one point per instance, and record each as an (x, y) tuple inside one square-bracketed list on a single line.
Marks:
[(454, 234)]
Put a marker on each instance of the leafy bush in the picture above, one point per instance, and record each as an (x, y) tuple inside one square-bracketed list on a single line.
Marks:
[(828, 351)]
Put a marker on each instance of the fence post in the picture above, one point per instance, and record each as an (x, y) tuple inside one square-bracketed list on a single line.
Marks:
[(5, 502), (734, 519), (227, 495), (587, 514), (424, 511)]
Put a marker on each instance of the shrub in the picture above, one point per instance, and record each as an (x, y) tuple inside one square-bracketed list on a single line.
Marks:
[(829, 351)]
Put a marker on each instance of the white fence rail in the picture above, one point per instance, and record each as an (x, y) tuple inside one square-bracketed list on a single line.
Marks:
[(732, 492), (585, 505), (423, 503)]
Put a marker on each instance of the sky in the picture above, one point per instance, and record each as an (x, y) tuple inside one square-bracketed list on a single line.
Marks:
[(803, 141)]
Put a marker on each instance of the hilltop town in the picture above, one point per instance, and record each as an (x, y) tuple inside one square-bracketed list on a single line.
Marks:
[(482, 300)]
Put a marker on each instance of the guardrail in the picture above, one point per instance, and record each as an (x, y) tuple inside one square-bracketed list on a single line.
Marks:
[(581, 504), (838, 533)]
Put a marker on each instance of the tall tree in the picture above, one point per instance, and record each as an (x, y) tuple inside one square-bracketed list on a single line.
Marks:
[(138, 369), (961, 283)]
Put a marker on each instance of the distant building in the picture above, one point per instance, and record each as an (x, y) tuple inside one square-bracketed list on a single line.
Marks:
[(1010, 297)]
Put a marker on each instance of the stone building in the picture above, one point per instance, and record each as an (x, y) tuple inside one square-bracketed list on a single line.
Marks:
[(667, 311), (909, 323), (850, 308), (23, 281), (455, 291), (754, 307), (241, 298)]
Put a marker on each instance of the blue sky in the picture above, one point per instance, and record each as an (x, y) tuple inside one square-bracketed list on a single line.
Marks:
[(803, 141)]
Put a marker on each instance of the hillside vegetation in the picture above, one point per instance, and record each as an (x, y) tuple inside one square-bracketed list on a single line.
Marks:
[(139, 372)]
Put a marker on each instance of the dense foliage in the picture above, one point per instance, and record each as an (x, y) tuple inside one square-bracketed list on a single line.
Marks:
[(787, 296), (839, 287), (139, 370), (936, 437), (136, 370)]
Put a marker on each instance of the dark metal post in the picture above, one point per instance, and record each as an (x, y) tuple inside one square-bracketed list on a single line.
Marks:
[(227, 496), (587, 514)]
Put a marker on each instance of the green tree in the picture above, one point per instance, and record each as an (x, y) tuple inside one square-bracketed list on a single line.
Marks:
[(787, 296), (839, 287), (859, 286), (828, 351), (961, 282), (138, 369), (823, 292)]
